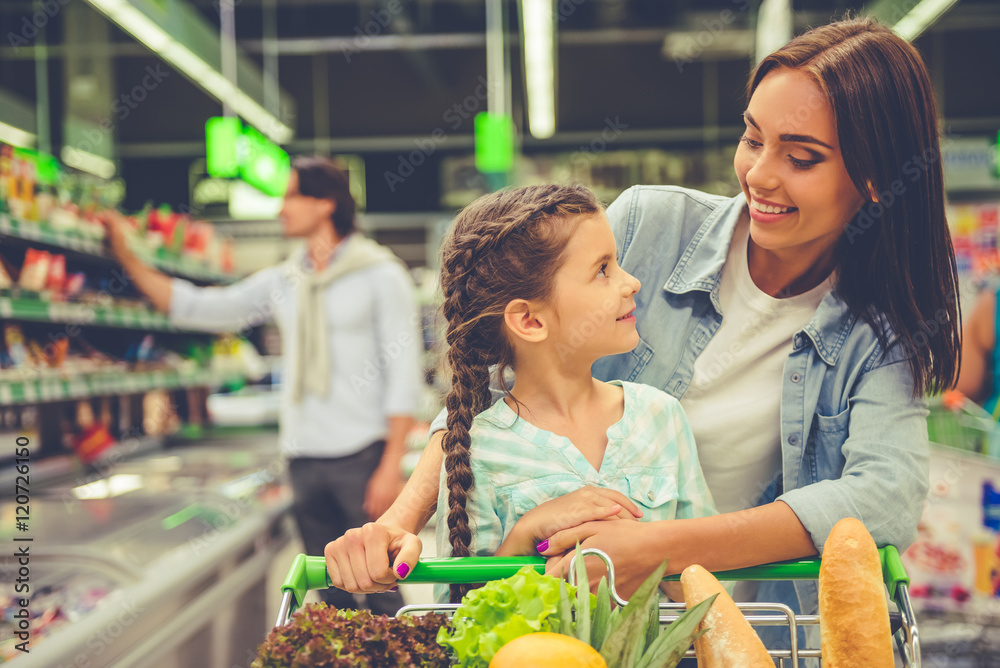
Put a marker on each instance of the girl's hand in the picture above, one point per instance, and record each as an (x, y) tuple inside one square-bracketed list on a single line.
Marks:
[(586, 504), (371, 558)]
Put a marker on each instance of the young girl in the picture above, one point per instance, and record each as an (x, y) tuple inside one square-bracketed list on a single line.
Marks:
[(531, 283)]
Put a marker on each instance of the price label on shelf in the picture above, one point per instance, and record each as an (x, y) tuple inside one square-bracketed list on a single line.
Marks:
[(51, 389), (77, 387)]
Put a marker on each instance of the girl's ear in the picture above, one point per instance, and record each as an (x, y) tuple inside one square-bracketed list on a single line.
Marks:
[(522, 320)]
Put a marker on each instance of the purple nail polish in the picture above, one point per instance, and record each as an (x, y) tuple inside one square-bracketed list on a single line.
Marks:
[(402, 570), (394, 589), (544, 545)]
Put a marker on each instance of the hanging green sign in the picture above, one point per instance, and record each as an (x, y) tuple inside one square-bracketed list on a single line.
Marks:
[(222, 137), (235, 150), (494, 143)]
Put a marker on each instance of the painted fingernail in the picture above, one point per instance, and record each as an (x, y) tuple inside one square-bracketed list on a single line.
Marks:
[(544, 545), (394, 589), (402, 570)]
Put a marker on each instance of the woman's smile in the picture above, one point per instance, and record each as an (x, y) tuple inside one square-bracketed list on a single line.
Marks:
[(763, 211)]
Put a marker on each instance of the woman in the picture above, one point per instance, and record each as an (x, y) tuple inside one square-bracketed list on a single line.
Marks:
[(791, 322)]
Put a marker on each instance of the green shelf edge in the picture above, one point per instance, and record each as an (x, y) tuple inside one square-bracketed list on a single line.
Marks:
[(86, 315), (15, 392)]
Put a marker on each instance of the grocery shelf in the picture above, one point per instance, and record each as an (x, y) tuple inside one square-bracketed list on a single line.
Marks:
[(74, 241), (83, 314), (30, 386)]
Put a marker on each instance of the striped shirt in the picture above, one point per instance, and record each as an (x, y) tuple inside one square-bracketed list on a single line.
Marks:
[(650, 457)]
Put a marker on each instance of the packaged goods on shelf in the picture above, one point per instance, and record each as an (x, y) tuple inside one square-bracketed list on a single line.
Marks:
[(68, 367), (41, 201)]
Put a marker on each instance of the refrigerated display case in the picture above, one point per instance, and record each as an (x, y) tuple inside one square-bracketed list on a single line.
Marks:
[(954, 564), (161, 563)]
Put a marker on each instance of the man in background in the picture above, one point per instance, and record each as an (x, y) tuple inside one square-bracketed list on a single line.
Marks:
[(346, 310)]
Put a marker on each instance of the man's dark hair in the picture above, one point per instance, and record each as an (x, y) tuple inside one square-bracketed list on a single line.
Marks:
[(323, 179)]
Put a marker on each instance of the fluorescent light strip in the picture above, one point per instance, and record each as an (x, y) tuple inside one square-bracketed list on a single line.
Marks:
[(921, 17), (204, 75), (16, 136), (88, 162), (539, 66)]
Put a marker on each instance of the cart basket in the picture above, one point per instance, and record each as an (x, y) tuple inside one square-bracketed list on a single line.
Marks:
[(310, 573)]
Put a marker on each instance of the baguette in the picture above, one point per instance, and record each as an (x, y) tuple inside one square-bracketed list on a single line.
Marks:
[(730, 641), (853, 613)]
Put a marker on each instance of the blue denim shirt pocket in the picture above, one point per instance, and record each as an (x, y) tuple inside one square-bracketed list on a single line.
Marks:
[(826, 436)]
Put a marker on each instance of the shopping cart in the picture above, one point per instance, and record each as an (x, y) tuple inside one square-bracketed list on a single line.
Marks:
[(959, 422), (310, 573)]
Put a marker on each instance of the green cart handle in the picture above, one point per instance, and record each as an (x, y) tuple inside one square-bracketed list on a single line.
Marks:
[(310, 572)]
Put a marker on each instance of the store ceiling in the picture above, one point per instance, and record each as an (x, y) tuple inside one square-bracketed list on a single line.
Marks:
[(375, 77)]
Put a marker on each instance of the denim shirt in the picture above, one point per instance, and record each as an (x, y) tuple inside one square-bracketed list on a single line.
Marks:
[(853, 437)]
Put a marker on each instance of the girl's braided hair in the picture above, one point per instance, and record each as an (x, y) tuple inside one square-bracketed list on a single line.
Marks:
[(504, 246)]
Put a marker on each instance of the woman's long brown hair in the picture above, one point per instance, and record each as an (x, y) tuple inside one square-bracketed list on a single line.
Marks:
[(504, 246), (896, 264)]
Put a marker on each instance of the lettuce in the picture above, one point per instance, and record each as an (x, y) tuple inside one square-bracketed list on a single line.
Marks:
[(496, 613), (323, 637)]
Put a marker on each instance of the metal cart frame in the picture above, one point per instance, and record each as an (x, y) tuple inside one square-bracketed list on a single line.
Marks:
[(310, 573)]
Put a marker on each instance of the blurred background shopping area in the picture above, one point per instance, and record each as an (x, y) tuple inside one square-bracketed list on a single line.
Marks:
[(158, 498)]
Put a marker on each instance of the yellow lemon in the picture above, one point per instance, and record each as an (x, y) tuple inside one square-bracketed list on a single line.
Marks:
[(547, 650)]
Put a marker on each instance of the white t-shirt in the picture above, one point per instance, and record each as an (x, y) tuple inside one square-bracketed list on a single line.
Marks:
[(734, 401)]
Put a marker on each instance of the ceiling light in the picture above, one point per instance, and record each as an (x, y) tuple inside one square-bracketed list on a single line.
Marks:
[(88, 162), (16, 136), (922, 16), (539, 66), (194, 67)]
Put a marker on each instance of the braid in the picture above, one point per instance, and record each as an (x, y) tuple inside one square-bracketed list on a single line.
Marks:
[(500, 248), (470, 380), (463, 404)]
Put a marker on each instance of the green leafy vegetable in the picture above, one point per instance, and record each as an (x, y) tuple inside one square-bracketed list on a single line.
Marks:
[(631, 637), (529, 602), (669, 647), (621, 646), (496, 613), (565, 610), (323, 637), (602, 615)]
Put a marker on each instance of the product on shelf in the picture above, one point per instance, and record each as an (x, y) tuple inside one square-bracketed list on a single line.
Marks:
[(62, 599), (35, 270), (16, 353), (6, 280), (91, 436), (61, 355), (66, 207)]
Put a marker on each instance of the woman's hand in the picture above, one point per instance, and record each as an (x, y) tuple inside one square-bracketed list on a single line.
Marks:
[(115, 226), (371, 558), (586, 504), (632, 550), (760, 535)]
